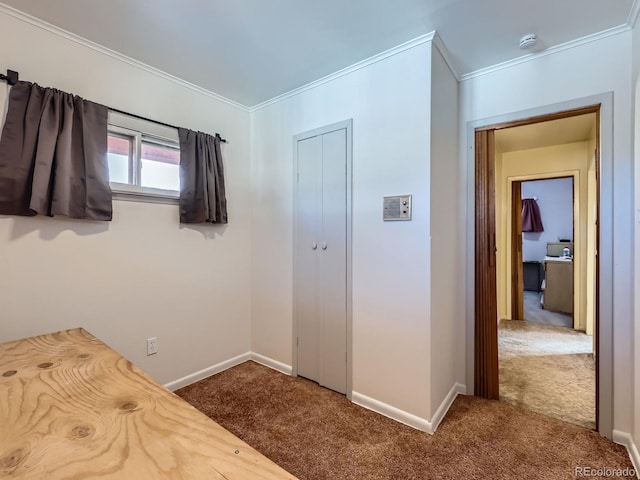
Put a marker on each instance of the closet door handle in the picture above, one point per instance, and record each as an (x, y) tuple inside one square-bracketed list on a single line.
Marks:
[(314, 246), (323, 246)]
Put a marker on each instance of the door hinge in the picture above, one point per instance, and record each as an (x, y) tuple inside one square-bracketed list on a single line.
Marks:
[(297, 341), (298, 177)]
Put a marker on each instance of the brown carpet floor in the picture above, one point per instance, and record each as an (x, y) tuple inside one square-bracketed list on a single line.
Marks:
[(317, 434)]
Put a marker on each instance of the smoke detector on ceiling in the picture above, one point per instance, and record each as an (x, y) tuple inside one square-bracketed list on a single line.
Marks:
[(528, 41)]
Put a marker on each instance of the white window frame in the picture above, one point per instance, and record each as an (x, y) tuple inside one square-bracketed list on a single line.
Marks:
[(140, 131)]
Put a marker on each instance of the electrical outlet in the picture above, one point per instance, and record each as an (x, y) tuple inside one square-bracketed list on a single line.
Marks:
[(152, 345)]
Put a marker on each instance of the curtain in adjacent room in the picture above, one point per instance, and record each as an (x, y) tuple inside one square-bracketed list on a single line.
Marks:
[(53, 155), (202, 192), (531, 219)]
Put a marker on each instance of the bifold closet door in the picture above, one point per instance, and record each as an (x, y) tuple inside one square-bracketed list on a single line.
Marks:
[(321, 267)]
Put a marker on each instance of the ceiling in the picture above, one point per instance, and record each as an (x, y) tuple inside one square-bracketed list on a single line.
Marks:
[(253, 50), (546, 134)]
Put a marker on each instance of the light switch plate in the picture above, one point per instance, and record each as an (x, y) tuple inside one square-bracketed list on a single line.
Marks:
[(397, 208)]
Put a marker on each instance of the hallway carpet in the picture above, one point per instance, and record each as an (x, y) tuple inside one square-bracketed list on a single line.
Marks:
[(317, 434), (548, 370)]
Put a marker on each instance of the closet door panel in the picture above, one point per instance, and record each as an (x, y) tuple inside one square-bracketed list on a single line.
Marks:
[(308, 227), (332, 266)]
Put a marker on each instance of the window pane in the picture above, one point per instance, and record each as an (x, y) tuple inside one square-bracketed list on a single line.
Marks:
[(160, 167), (118, 158)]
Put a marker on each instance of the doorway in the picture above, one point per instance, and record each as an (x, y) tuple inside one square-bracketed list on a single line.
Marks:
[(493, 253), (322, 256), (534, 241), (547, 251), (546, 346)]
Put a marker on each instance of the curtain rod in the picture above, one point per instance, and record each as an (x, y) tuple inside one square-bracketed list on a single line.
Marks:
[(140, 117), (12, 78)]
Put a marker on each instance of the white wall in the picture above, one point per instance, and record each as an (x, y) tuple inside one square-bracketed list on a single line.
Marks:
[(555, 201), (636, 296), (389, 102), (447, 230), (143, 274), (590, 69)]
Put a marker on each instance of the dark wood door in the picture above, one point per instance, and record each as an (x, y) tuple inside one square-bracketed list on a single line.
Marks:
[(517, 275), (486, 312)]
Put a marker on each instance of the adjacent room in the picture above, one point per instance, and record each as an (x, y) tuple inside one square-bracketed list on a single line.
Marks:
[(546, 177), (319, 239)]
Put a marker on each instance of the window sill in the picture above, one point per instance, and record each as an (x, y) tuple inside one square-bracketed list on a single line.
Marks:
[(131, 193)]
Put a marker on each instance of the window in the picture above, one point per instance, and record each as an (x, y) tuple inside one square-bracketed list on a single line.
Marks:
[(160, 166), (143, 157), (119, 150)]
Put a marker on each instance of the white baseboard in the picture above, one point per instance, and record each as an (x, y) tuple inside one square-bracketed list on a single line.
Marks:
[(407, 418), (391, 412), (457, 389), (222, 366), (625, 439), (271, 363), (207, 372)]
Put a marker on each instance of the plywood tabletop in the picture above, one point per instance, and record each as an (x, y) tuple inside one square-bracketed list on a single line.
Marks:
[(72, 408)]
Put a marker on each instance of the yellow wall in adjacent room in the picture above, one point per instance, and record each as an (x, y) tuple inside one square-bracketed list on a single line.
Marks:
[(592, 204)]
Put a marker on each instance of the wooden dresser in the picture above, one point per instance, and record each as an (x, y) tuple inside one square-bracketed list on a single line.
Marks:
[(72, 408), (558, 290)]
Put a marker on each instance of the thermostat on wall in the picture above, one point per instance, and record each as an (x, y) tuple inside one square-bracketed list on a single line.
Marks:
[(397, 208)]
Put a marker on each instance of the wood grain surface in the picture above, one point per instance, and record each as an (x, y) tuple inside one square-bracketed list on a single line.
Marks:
[(72, 408)]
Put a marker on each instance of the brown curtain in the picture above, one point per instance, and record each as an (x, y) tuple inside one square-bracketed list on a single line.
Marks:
[(53, 155), (531, 219), (202, 192)]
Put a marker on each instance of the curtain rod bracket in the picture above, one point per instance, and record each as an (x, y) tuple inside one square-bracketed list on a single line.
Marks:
[(11, 77)]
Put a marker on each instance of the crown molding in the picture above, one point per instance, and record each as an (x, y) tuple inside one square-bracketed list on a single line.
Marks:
[(350, 69), (442, 48), (36, 22), (633, 14), (549, 51)]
